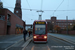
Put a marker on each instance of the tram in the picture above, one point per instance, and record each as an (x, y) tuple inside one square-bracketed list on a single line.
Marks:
[(40, 31)]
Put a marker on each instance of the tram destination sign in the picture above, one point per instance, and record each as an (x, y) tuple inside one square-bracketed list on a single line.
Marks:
[(40, 22)]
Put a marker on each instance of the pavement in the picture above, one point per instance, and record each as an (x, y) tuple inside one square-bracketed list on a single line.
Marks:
[(7, 42), (67, 38)]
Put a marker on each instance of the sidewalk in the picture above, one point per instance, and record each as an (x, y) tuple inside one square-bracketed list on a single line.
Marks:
[(27, 37), (9, 41), (17, 37), (70, 39)]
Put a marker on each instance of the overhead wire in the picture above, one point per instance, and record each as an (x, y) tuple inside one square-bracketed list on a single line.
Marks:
[(22, 8), (67, 6), (28, 4), (57, 7), (41, 4), (41, 7), (37, 9), (29, 7), (45, 10)]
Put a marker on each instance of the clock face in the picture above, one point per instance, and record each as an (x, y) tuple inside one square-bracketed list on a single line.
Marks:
[(16, 11)]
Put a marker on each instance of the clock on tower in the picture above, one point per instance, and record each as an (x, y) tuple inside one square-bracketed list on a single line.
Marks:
[(17, 9)]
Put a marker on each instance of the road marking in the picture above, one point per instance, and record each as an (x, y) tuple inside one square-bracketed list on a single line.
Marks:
[(48, 47), (32, 48)]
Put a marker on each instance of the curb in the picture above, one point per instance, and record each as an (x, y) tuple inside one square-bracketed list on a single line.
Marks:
[(26, 43), (64, 39)]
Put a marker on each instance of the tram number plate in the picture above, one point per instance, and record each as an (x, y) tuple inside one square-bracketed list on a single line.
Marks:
[(40, 37)]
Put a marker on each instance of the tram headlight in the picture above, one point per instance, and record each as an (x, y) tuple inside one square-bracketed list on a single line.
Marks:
[(45, 37), (35, 36)]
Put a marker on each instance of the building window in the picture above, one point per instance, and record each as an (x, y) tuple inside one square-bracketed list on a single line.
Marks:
[(58, 24), (62, 23), (8, 17), (2, 17), (52, 21), (70, 23)]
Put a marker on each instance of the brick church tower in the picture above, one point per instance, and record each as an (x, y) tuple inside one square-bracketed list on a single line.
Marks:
[(17, 9)]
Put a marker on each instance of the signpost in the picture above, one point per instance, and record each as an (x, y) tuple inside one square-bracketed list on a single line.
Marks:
[(67, 24)]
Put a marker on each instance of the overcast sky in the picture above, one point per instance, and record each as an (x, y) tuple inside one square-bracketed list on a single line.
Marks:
[(51, 5)]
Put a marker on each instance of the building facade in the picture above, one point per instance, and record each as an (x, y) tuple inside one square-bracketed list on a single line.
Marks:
[(11, 23), (61, 23)]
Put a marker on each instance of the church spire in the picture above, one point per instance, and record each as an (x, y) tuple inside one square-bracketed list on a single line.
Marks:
[(17, 9), (18, 1), (1, 4)]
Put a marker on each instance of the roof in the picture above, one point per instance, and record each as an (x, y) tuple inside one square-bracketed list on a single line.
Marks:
[(61, 20), (64, 20), (40, 20)]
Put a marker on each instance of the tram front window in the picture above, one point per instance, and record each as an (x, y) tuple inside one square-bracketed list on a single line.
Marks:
[(40, 29)]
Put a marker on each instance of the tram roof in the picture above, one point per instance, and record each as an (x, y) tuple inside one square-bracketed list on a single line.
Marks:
[(40, 20)]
